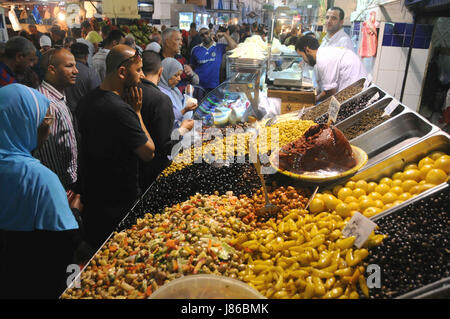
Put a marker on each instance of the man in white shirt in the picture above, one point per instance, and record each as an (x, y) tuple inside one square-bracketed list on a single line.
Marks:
[(336, 68), (114, 38), (336, 36)]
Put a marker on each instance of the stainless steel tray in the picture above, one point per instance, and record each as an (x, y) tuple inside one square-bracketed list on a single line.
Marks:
[(369, 92), (394, 134), (437, 289), (322, 107), (381, 104)]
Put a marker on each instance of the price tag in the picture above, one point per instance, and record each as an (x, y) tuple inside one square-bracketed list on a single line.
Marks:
[(333, 110), (374, 98), (360, 227), (391, 107)]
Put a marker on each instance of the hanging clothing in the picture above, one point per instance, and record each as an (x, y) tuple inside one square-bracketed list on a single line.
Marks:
[(369, 41)]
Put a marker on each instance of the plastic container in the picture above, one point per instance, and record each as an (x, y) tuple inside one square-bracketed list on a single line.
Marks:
[(206, 287)]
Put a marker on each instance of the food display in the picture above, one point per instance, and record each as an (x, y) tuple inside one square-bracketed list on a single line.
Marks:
[(201, 215), (416, 250), (373, 197), (341, 96), (368, 121), (321, 148), (350, 108)]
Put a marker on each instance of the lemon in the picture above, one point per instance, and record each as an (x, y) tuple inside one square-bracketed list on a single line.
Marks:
[(336, 190), (436, 176), (435, 155), (386, 180), (396, 182), (406, 185), (425, 187), (397, 190), (371, 187), (398, 175), (389, 198), (365, 203), (382, 189), (371, 211), (387, 206), (414, 190), (343, 210), (375, 195), (330, 201), (411, 166), (378, 203), (443, 163), (353, 206), (317, 205), (424, 170), (412, 173), (425, 161), (404, 196), (358, 192), (344, 192), (350, 184), (361, 184), (350, 199)]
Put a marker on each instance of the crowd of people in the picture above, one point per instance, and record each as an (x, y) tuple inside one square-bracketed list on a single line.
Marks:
[(87, 122)]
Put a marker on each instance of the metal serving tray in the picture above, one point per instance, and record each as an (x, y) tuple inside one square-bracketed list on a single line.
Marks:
[(381, 104), (438, 141), (324, 104), (394, 134), (437, 289), (369, 92)]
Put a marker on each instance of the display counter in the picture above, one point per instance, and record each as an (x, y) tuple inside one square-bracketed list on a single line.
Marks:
[(199, 217)]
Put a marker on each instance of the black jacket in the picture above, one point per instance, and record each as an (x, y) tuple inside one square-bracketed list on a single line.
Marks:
[(158, 117)]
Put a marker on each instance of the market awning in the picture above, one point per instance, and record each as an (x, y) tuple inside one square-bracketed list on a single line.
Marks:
[(126, 9)]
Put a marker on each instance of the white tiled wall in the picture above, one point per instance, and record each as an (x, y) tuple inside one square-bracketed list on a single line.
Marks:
[(391, 63)]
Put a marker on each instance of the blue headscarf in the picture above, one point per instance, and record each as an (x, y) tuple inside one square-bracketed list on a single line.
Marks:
[(31, 196)]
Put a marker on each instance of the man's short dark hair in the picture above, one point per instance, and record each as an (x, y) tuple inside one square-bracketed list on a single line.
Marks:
[(341, 12), (151, 62), (106, 30), (306, 41), (79, 50), (85, 24), (114, 35), (76, 33), (193, 26), (20, 45)]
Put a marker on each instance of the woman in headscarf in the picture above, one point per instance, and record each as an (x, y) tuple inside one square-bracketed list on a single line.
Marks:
[(38, 230), (171, 75)]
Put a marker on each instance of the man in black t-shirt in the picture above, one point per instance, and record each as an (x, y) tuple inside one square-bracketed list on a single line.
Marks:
[(113, 137), (157, 114)]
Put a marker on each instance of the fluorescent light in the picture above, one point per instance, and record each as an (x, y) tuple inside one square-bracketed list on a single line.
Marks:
[(309, 6)]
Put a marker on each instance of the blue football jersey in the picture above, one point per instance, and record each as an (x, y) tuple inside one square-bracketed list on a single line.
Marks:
[(206, 63)]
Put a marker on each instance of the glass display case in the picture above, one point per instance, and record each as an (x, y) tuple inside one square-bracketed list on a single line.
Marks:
[(234, 101)]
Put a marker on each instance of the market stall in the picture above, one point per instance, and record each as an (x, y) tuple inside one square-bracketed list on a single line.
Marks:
[(203, 217)]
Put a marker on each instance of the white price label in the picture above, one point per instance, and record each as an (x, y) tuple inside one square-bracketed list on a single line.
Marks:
[(360, 227), (391, 107), (333, 110), (374, 98)]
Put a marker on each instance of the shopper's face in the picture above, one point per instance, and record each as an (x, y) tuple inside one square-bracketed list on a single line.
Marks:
[(24, 62), (205, 36), (307, 57), (333, 21), (175, 42), (134, 73), (64, 68), (175, 79)]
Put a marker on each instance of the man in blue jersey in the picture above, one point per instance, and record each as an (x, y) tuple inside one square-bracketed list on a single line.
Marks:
[(206, 57)]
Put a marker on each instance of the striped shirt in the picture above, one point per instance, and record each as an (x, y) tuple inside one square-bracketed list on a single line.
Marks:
[(59, 152)]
